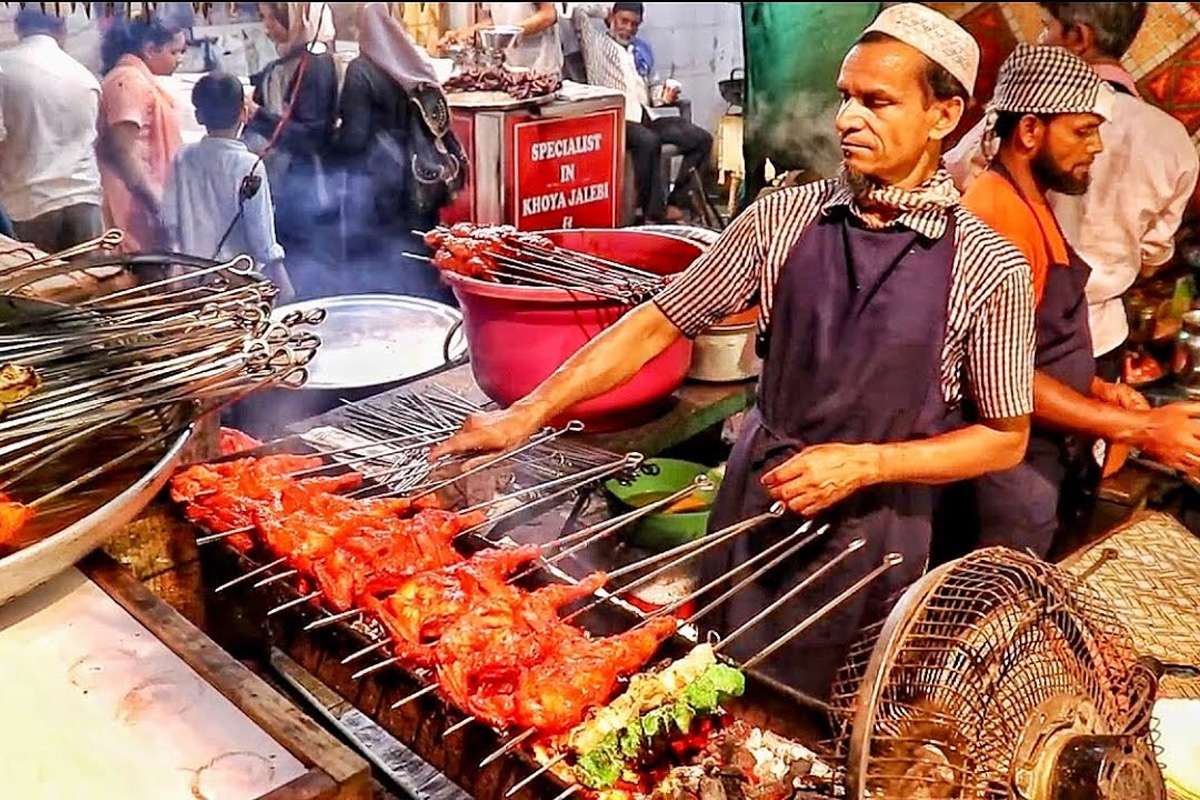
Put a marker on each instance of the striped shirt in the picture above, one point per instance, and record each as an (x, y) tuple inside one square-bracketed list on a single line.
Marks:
[(989, 329)]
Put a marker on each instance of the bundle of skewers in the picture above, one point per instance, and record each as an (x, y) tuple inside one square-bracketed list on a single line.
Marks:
[(501, 253), (465, 623), (93, 389)]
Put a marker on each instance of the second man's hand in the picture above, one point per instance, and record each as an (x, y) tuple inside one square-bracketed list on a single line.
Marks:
[(822, 475)]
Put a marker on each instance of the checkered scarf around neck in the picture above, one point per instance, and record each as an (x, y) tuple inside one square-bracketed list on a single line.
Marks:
[(936, 193), (1036, 79)]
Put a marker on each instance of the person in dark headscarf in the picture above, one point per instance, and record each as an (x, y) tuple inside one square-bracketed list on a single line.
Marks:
[(293, 122), (392, 108)]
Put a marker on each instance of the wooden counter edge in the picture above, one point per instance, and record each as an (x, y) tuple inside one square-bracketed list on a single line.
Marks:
[(334, 771)]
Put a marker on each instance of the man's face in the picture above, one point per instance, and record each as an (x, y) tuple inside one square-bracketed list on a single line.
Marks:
[(1070, 143), (887, 118), (623, 25)]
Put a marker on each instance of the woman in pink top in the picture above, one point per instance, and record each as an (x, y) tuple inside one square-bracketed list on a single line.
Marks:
[(139, 127)]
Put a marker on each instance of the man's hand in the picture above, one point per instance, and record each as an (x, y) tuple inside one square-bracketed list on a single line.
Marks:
[(1173, 437), (822, 475), (492, 431), (1121, 395)]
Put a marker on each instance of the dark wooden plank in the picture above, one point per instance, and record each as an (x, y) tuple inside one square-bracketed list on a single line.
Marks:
[(312, 785), (278, 717)]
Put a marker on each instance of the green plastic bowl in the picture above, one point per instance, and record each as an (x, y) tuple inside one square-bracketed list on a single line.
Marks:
[(663, 531)]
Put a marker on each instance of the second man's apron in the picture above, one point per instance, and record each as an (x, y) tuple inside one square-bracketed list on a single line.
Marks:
[(853, 355), (1018, 508)]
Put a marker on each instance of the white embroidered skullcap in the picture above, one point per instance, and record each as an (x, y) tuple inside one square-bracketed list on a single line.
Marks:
[(939, 38)]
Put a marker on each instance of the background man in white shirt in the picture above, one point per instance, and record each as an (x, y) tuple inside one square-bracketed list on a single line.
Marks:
[(1126, 222), (49, 181)]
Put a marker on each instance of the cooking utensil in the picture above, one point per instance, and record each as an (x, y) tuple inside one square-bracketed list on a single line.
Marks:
[(667, 528), (369, 343), (727, 351), (518, 335), (733, 88)]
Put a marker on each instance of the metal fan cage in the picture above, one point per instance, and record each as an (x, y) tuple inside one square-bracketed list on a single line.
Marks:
[(952, 695)]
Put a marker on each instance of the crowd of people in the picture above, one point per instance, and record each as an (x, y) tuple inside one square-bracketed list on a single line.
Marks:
[(309, 175)]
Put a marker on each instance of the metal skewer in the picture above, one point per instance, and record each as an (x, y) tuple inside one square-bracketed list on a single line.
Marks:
[(430, 689), (889, 561), (542, 770), (378, 665), (758, 573), (360, 653), (817, 574), (293, 603), (574, 426), (750, 562), (690, 550), (252, 573), (332, 618), (569, 791), (458, 726), (509, 746)]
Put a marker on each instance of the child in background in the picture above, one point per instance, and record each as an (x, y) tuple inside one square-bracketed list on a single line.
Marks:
[(217, 202)]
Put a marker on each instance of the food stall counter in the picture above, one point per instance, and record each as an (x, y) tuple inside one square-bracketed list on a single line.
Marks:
[(538, 164)]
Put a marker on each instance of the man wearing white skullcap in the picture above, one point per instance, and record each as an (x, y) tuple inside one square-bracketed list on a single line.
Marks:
[(883, 305), (1043, 134)]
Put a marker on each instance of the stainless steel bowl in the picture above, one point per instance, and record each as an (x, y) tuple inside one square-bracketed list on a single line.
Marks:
[(498, 38)]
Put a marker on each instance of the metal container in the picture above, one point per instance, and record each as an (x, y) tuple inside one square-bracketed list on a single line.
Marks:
[(726, 353), (369, 343), (1186, 363), (518, 335)]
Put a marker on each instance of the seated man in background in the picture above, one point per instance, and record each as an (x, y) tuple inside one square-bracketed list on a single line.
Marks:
[(217, 202), (611, 62)]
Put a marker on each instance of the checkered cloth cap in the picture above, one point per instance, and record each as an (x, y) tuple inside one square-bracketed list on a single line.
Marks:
[(1050, 80)]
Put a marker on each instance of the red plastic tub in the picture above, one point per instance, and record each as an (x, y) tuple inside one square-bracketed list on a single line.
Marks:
[(518, 335)]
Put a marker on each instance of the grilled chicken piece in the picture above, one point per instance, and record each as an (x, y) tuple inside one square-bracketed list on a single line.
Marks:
[(554, 696), (13, 516), (481, 656), (424, 603)]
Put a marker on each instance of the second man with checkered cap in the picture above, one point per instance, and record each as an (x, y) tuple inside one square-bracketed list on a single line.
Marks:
[(1042, 134)]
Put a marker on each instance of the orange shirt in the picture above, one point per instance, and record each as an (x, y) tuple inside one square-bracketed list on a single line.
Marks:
[(997, 202), (130, 93)]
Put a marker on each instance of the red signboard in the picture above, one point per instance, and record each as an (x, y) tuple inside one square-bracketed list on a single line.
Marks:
[(462, 208), (566, 172)]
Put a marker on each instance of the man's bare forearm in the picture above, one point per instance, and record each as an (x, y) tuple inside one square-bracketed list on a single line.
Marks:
[(957, 455), (1058, 406), (604, 363)]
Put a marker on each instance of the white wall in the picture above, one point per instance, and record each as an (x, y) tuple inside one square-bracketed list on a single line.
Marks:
[(697, 44)]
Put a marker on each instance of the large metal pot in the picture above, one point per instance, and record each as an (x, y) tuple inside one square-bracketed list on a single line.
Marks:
[(518, 335), (370, 343)]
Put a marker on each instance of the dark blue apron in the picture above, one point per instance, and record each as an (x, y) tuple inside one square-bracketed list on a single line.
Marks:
[(853, 355), (1019, 507)]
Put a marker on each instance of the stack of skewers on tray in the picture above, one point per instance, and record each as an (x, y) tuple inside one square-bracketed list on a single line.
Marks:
[(93, 393), (487, 624)]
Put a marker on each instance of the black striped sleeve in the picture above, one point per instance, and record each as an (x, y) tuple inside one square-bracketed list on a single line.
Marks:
[(721, 282), (1001, 339)]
